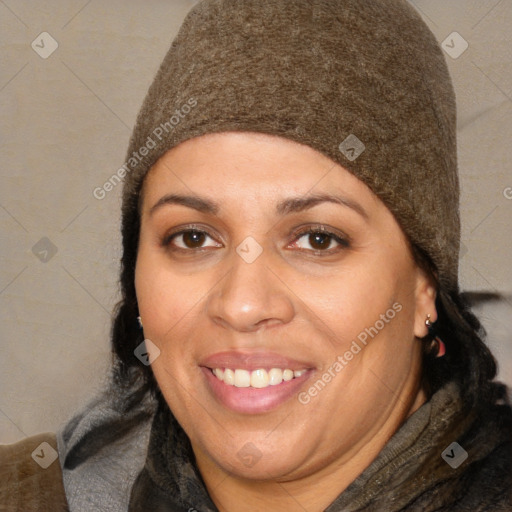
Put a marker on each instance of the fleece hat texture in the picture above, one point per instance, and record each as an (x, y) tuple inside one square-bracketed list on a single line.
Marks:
[(363, 82)]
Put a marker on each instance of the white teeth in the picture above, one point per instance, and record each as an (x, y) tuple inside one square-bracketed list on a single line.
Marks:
[(287, 375), (229, 377), (256, 379), (259, 379), (242, 379), (275, 376)]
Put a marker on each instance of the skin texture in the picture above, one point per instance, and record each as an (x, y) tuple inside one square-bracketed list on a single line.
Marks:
[(300, 298)]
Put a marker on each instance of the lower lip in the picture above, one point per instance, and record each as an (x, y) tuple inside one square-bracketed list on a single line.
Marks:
[(253, 400)]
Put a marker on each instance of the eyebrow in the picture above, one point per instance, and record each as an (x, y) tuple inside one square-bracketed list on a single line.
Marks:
[(195, 202), (290, 205), (300, 204)]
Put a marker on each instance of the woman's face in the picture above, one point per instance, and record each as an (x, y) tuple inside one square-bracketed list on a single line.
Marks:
[(260, 257)]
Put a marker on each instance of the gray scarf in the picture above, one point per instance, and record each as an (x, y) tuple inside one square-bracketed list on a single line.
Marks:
[(408, 475)]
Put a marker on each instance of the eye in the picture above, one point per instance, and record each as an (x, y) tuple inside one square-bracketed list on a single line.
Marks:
[(320, 240), (190, 239)]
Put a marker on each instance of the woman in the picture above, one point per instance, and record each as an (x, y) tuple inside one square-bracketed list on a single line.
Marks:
[(291, 334)]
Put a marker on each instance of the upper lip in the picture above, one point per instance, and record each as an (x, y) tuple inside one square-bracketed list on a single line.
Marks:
[(250, 361)]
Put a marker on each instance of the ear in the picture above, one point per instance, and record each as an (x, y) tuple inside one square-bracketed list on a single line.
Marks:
[(425, 303)]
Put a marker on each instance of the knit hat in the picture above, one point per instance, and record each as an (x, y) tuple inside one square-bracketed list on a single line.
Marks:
[(363, 82)]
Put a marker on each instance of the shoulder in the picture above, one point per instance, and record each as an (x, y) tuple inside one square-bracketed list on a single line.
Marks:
[(31, 475), (486, 484), (483, 482), (103, 449)]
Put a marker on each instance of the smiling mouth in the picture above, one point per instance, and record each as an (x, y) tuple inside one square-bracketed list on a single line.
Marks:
[(260, 378)]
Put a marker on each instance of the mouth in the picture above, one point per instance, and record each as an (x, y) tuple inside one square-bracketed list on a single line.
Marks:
[(253, 383), (259, 379)]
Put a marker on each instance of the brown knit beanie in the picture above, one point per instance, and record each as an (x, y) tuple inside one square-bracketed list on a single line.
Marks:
[(363, 82)]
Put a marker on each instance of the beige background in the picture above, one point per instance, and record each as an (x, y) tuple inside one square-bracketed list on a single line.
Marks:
[(66, 121)]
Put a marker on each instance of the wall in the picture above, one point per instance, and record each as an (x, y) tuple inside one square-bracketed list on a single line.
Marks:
[(66, 120)]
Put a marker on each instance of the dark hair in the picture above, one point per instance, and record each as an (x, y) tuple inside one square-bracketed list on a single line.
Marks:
[(468, 360)]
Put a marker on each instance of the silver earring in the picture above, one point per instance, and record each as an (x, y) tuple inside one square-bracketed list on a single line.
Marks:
[(139, 320)]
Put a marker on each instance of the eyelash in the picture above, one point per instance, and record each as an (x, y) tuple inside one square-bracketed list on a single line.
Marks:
[(343, 241)]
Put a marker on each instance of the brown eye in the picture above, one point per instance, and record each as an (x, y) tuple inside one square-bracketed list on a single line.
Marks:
[(319, 241), (193, 239), (190, 239)]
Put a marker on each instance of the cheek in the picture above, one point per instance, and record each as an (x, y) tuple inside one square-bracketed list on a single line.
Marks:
[(367, 313), (165, 298), (169, 305), (350, 301)]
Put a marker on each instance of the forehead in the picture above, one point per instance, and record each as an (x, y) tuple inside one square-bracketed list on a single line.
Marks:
[(250, 166)]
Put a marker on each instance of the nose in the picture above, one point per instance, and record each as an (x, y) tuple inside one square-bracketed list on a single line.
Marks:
[(250, 296)]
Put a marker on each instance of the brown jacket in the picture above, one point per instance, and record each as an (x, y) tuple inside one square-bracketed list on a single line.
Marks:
[(31, 476)]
